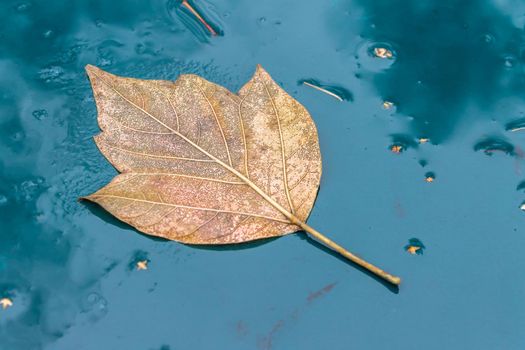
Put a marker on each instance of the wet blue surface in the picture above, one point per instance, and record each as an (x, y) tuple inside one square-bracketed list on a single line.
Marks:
[(457, 77)]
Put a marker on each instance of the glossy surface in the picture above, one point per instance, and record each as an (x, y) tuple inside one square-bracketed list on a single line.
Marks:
[(456, 77)]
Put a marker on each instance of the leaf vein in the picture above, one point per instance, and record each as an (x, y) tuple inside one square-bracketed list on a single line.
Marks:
[(283, 151), (191, 207)]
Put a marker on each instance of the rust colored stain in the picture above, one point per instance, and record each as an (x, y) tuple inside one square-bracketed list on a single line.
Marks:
[(267, 342), (320, 292)]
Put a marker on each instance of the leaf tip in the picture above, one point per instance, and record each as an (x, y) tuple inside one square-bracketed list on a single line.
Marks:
[(90, 68), (259, 69), (93, 71), (88, 198)]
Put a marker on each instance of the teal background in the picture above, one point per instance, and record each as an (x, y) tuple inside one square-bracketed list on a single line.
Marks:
[(457, 78)]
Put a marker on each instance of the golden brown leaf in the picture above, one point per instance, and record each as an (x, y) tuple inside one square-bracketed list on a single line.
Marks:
[(191, 154), (202, 165)]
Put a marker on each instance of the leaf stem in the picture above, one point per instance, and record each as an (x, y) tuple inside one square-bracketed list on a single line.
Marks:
[(310, 230), (336, 247)]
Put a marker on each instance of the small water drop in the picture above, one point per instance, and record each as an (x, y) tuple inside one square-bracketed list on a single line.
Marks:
[(430, 177), (139, 260), (415, 246), (29, 190), (3, 200), (375, 56), (509, 61), (401, 143), (17, 136), (387, 105), (383, 52), (490, 145), (23, 6), (51, 74), (140, 49), (40, 114), (515, 125), (48, 33), (92, 298), (396, 148), (489, 38)]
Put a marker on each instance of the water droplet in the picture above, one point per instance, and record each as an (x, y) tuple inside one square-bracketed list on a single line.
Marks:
[(375, 56), (490, 145), (415, 246), (430, 177), (509, 61), (396, 148), (92, 298), (28, 190), (261, 20), (383, 52), (40, 114), (138, 256), (516, 125), (388, 105), (17, 136), (23, 6), (402, 142), (3, 200), (48, 33), (489, 38), (140, 49), (95, 306), (51, 74)]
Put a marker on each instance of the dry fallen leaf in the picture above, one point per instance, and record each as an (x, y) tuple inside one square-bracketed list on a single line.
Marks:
[(201, 165), (6, 302)]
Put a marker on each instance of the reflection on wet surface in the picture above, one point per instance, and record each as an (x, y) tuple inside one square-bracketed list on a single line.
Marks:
[(439, 83), (338, 92)]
